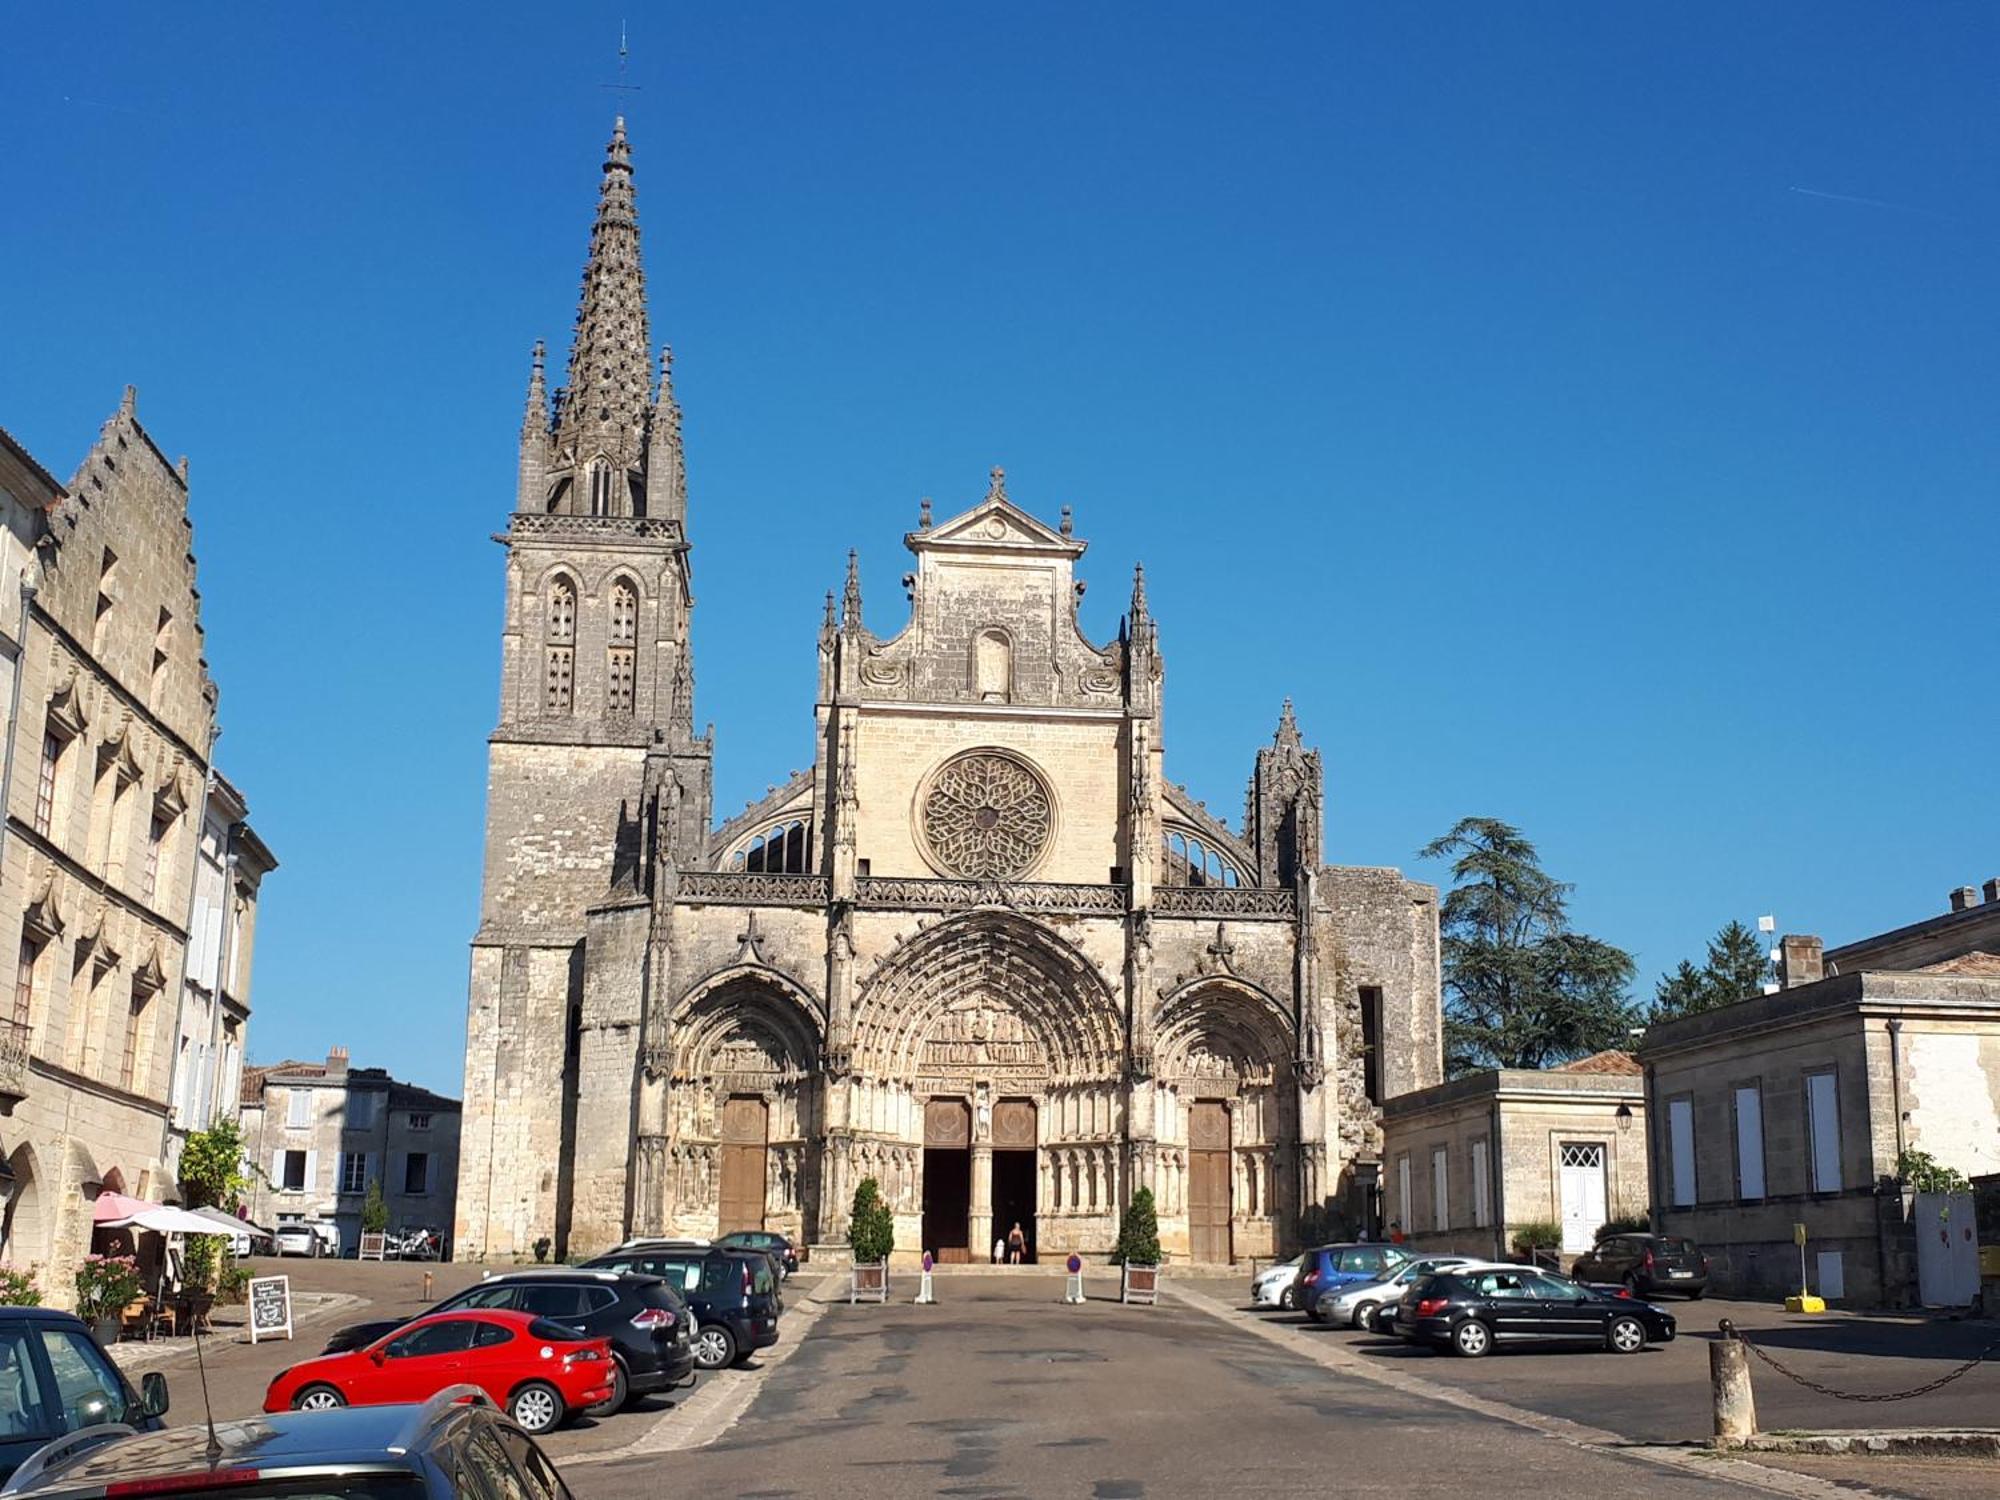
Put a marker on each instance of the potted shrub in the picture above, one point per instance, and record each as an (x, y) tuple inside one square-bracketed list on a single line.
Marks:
[(1138, 1250), (871, 1236), (105, 1286), (18, 1289)]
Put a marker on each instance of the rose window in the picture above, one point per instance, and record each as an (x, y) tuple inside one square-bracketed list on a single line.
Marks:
[(986, 816)]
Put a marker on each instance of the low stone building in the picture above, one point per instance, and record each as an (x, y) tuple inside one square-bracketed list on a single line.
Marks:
[(129, 875), (1794, 1107), (1471, 1162), (318, 1134)]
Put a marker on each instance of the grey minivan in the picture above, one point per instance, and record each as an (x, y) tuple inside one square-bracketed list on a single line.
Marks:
[(55, 1379)]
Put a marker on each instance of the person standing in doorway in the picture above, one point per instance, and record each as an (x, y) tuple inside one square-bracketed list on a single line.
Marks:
[(1017, 1245)]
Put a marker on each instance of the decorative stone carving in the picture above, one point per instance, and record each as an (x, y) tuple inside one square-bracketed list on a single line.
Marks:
[(986, 815), (1225, 901), (901, 893)]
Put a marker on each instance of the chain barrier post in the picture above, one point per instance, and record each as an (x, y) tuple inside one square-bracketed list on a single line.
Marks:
[(924, 1292), (1729, 1388), (1805, 1302)]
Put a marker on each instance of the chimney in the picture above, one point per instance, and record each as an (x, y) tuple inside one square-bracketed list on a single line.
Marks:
[(1964, 898), (1991, 890), (336, 1059), (1802, 961)]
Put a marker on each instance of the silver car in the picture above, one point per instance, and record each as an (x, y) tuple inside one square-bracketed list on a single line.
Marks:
[(1356, 1304), (1277, 1286)]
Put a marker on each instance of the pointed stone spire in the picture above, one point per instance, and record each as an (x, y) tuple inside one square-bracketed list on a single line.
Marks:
[(666, 460), (1138, 593), (532, 486), (128, 404), (850, 599), (607, 397), (829, 626), (1288, 728)]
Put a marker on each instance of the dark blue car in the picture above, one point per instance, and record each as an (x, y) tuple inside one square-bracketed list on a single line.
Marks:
[(1332, 1266)]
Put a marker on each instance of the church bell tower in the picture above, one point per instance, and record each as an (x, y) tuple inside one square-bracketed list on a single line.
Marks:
[(595, 772)]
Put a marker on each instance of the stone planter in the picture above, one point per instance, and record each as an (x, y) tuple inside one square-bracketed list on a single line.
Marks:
[(869, 1283), (107, 1328), (1140, 1285)]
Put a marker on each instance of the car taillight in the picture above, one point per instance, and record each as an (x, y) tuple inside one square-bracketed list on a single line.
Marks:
[(1430, 1307), (1704, 1265), (1646, 1261), (1312, 1276), (749, 1282), (580, 1357), (653, 1317), (197, 1481)]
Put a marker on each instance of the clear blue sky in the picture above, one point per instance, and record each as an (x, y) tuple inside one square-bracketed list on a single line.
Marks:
[(1587, 413)]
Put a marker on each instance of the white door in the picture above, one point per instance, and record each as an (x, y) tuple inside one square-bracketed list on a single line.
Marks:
[(1582, 1183)]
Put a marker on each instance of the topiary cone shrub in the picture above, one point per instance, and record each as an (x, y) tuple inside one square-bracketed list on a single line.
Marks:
[(871, 1228), (1138, 1233)]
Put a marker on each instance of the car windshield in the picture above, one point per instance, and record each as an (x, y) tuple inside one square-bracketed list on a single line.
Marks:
[(1674, 1245)]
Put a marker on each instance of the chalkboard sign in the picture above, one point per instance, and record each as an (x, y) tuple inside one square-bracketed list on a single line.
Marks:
[(270, 1307)]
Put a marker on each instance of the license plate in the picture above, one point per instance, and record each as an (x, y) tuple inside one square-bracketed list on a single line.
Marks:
[(1680, 1273)]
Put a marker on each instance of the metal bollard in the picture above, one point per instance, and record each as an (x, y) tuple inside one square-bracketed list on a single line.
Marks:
[(1729, 1386), (427, 1286)]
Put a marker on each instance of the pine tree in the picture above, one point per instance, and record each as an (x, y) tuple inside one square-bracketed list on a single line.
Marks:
[(1524, 991), (1138, 1232), (1734, 970)]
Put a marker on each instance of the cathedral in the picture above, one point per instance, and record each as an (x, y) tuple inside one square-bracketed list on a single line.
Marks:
[(983, 951)]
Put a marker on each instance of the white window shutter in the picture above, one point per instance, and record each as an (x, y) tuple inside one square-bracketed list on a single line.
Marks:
[(312, 1171), (1680, 1141), (1749, 1142), (278, 1170), (371, 1169)]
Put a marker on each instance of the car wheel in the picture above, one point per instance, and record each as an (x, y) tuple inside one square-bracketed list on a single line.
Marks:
[(1695, 1293), (1288, 1300), (536, 1407), (1471, 1338), (1364, 1315), (621, 1388), (318, 1398), (1625, 1335), (714, 1347)]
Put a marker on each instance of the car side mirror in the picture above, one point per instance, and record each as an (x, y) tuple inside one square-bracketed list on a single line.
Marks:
[(377, 1355), (153, 1394)]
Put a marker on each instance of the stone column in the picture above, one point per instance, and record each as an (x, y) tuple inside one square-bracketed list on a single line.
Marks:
[(980, 1228)]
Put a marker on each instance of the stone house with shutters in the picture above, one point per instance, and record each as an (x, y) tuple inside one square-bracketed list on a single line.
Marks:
[(1793, 1107), (1470, 1162), (129, 872), (317, 1135), (981, 949)]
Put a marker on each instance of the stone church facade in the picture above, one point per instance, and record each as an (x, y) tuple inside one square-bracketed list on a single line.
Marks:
[(983, 950)]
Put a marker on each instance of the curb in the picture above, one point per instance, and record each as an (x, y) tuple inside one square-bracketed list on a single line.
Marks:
[(1906, 1442), (1700, 1461)]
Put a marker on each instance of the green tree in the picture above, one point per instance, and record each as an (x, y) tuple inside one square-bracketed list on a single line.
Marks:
[(1138, 1233), (212, 1173), (1735, 968), (871, 1228), (1523, 991), (375, 1213)]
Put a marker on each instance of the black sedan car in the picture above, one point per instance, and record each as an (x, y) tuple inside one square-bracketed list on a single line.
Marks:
[(1477, 1311), (770, 1242), (649, 1325), (1648, 1264)]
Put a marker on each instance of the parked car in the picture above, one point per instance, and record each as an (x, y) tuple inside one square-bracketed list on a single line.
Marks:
[(1277, 1286), (773, 1244), (55, 1380), (310, 1237), (367, 1453), (648, 1324), (1472, 1311), (538, 1370), (1649, 1264), (1356, 1303), (733, 1295), (1332, 1266)]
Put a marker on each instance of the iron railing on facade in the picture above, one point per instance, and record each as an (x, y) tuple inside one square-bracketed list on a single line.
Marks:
[(14, 1046)]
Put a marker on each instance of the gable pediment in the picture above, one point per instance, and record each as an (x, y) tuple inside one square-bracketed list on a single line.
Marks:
[(995, 524)]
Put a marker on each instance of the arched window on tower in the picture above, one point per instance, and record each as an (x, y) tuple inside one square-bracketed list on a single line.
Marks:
[(992, 666), (622, 654), (782, 849), (561, 647)]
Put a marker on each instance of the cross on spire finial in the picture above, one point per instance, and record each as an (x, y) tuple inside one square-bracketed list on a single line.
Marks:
[(996, 488), (1288, 727)]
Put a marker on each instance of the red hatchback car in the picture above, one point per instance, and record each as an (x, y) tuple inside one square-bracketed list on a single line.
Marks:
[(537, 1370)]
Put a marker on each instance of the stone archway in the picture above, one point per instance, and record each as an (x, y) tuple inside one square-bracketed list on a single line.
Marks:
[(995, 1019), (1227, 1103), (23, 1230), (743, 1110)]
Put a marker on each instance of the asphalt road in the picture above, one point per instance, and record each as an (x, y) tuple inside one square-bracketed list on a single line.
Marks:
[(1003, 1391)]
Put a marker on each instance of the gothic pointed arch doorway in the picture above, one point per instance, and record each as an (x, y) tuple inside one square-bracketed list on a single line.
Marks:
[(991, 1049)]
